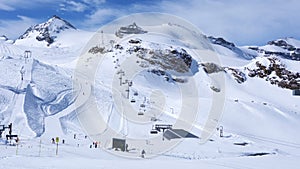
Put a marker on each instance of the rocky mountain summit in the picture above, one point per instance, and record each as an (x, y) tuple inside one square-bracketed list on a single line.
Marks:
[(47, 31)]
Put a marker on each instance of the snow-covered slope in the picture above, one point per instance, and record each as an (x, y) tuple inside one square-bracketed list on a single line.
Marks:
[(43, 97), (231, 46)]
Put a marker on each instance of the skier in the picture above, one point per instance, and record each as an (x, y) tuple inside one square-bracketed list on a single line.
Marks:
[(143, 153)]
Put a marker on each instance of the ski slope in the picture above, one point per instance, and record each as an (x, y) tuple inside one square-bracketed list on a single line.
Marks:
[(83, 97)]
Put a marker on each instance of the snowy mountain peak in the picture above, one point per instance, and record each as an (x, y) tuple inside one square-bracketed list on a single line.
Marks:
[(288, 48), (289, 44), (45, 32), (221, 41), (57, 24), (231, 46)]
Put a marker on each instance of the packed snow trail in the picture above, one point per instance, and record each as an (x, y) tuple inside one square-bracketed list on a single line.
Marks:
[(52, 123), (17, 115)]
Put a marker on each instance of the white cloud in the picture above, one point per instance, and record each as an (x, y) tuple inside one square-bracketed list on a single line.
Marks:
[(74, 6), (10, 5), (94, 2), (240, 21), (102, 16), (14, 28), (80, 6), (5, 7)]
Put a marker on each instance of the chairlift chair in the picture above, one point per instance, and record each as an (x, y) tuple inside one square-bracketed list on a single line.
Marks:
[(153, 131), (132, 101)]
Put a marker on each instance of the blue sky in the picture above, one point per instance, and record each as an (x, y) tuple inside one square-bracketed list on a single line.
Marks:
[(248, 22)]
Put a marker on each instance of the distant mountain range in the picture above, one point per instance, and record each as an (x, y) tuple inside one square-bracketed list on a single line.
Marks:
[(47, 33)]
